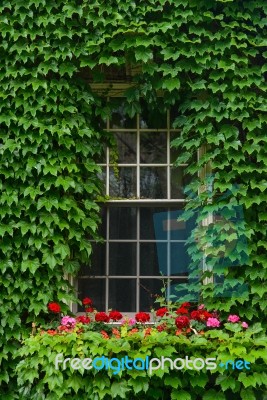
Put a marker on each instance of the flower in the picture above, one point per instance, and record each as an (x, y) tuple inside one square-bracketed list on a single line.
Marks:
[(104, 334), (132, 321), (142, 317), (181, 310), (101, 317), (201, 306), (68, 321), (115, 315), (186, 304), (116, 333), (87, 301), (54, 307), (182, 322), (161, 327), (83, 319), (132, 331), (89, 310), (244, 325), (213, 322), (51, 332), (200, 315), (162, 311), (233, 318)]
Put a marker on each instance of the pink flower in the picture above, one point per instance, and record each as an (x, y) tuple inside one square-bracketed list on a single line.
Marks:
[(132, 321), (68, 321), (201, 306), (213, 322), (244, 325), (233, 318)]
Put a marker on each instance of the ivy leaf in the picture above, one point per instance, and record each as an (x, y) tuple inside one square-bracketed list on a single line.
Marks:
[(171, 84)]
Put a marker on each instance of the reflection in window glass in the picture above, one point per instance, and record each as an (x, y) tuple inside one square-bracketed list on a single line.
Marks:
[(149, 289), (122, 295), (122, 182), (97, 263), (152, 117), (96, 288), (153, 182), (119, 118), (179, 259), (152, 256), (122, 258), (126, 143), (178, 183), (148, 226), (153, 148), (122, 223)]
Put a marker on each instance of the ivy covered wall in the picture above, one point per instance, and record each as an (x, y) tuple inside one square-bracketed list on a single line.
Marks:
[(207, 55)]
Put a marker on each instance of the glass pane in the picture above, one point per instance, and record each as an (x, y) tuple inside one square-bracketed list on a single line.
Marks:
[(178, 182), (95, 289), (152, 117), (174, 286), (122, 258), (153, 148), (102, 157), (153, 259), (122, 295), (174, 152), (119, 118), (149, 288), (179, 259), (97, 264), (102, 175), (174, 113), (150, 228), (153, 182), (126, 143), (122, 182), (122, 223)]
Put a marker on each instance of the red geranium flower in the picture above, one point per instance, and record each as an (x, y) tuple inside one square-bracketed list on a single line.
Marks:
[(161, 327), (181, 310), (89, 309), (200, 315), (182, 322), (101, 317), (142, 317), (51, 332), (115, 315), (186, 304), (87, 301), (54, 307), (162, 311), (83, 319)]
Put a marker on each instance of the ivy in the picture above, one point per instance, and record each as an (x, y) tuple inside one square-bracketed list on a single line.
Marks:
[(208, 57)]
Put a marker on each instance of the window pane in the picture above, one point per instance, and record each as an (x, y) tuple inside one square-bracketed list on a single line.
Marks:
[(178, 182), (152, 117), (122, 223), (122, 258), (102, 176), (149, 288), (126, 143), (153, 258), (122, 295), (95, 289), (153, 182), (153, 148), (119, 118), (179, 259), (150, 228), (122, 182), (174, 151), (174, 285), (98, 261)]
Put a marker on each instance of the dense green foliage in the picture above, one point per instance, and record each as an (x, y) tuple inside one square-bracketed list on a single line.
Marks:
[(208, 56), (39, 379)]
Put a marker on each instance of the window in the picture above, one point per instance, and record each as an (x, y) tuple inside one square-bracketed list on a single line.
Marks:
[(144, 244)]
